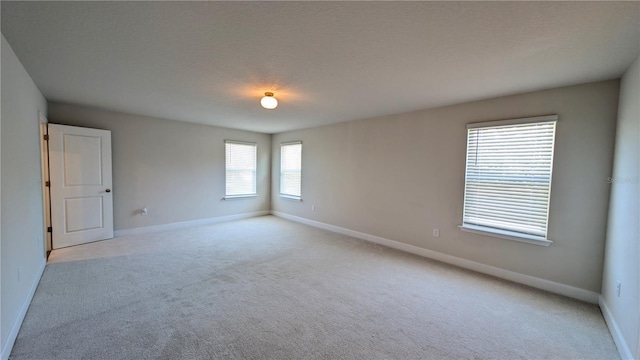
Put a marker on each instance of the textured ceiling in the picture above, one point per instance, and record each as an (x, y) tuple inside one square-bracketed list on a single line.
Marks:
[(209, 62)]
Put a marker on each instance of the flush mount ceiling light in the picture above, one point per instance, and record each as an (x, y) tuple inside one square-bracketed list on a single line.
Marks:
[(268, 101)]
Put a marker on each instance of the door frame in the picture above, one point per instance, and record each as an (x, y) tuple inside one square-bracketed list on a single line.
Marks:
[(44, 170)]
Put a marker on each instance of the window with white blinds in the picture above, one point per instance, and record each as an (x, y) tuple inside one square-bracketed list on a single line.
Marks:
[(291, 169), (508, 176), (240, 168)]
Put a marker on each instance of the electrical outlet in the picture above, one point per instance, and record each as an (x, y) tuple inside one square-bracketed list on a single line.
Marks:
[(436, 232), (618, 287), (144, 211), (313, 208)]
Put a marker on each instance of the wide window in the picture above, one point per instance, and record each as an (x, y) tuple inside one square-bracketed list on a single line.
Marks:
[(240, 168), (508, 178), (291, 169)]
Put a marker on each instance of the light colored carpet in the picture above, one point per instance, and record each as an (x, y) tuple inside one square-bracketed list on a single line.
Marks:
[(267, 288)]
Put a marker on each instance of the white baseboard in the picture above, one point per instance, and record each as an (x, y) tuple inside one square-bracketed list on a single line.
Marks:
[(185, 224), (621, 344), (17, 323), (554, 287)]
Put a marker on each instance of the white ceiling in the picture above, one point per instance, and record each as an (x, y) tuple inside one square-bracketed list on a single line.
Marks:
[(327, 62)]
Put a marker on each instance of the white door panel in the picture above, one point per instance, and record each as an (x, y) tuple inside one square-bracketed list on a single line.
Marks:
[(80, 155), (83, 214), (80, 175)]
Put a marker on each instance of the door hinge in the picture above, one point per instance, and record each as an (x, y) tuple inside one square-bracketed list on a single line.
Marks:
[(49, 229), (47, 183), (46, 137)]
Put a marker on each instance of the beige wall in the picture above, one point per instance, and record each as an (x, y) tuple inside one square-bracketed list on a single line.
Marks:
[(175, 169), (400, 176), (622, 260), (21, 239)]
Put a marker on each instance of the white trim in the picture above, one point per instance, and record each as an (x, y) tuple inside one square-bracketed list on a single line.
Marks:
[(234, 197), (298, 142), (290, 197), (17, 322), (616, 334), (504, 234), (240, 142), (551, 286), (546, 118), (184, 224)]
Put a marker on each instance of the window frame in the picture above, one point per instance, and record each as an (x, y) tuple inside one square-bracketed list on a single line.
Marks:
[(282, 194), (226, 169), (505, 233)]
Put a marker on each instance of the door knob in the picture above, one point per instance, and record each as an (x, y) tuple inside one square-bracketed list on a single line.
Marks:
[(108, 190)]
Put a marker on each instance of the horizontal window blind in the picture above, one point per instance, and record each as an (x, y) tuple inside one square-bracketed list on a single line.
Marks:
[(240, 168), (508, 177), (291, 169)]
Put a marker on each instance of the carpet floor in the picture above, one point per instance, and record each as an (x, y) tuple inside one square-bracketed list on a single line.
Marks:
[(268, 288)]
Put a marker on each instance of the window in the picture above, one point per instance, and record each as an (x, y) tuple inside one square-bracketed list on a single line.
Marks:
[(291, 169), (240, 168), (508, 178)]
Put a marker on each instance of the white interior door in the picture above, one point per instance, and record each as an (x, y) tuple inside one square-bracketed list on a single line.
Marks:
[(80, 175)]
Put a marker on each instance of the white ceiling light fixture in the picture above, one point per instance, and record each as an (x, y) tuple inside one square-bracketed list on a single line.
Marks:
[(268, 101)]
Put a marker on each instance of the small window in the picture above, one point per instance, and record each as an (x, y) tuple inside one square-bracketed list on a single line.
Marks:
[(508, 177), (291, 169), (240, 169)]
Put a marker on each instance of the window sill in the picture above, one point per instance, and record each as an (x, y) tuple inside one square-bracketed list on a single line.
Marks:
[(290, 197), (234, 197), (504, 234)]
